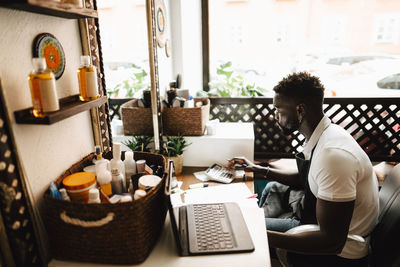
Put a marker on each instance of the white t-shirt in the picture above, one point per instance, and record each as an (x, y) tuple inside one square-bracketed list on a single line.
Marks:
[(341, 171)]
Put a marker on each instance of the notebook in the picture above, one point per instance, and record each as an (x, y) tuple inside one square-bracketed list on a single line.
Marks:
[(202, 229)]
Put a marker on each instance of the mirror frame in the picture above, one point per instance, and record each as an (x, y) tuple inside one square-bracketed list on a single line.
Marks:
[(154, 73)]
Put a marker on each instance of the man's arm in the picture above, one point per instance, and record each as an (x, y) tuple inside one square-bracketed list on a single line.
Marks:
[(286, 177), (334, 221)]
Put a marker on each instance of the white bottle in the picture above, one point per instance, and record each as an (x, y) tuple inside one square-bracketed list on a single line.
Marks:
[(64, 194), (130, 167), (117, 163), (99, 157), (189, 103), (94, 196), (104, 177)]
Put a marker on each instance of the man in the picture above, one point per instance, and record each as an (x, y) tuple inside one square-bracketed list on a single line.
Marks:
[(340, 188)]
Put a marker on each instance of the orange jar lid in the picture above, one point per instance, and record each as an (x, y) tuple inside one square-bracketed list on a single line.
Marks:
[(79, 180)]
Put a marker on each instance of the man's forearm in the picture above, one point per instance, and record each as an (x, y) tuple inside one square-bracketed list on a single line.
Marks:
[(287, 177), (304, 243)]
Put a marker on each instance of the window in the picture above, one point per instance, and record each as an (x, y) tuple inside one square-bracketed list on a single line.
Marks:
[(254, 44)]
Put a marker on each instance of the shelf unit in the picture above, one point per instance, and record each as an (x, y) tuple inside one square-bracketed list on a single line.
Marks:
[(69, 106), (52, 8)]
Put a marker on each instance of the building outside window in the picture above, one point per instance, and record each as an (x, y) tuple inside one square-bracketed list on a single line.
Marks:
[(331, 39), (386, 29)]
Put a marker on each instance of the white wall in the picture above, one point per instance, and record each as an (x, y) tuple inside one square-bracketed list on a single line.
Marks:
[(45, 151)]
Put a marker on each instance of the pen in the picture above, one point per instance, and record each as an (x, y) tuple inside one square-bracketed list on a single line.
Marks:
[(253, 196), (199, 185), (177, 190)]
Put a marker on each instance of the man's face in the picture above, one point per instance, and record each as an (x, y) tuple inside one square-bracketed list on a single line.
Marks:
[(286, 114)]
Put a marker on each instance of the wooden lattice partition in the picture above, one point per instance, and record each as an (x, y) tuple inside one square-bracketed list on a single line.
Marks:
[(373, 122), (115, 105)]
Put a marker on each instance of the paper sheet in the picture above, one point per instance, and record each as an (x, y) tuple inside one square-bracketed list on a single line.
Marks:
[(202, 176), (237, 192)]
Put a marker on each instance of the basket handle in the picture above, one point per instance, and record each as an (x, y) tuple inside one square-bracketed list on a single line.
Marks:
[(78, 222)]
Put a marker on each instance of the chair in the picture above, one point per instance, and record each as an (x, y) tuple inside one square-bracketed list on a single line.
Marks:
[(385, 238)]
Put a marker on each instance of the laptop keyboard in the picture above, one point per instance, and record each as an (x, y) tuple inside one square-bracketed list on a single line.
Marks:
[(212, 228)]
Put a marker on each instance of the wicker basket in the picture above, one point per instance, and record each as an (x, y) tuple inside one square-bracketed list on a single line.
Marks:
[(186, 121), (136, 120), (123, 233)]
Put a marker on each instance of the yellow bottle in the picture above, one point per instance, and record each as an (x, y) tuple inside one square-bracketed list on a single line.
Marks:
[(43, 89), (87, 77)]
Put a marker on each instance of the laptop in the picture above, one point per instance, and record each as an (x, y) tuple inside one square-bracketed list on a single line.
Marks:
[(203, 229)]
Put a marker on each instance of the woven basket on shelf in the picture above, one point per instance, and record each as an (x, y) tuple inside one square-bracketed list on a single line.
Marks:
[(122, 233), (136, 120), (186, 121)]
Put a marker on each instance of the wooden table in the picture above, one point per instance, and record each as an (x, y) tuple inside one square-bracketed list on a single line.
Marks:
[(188, 178)]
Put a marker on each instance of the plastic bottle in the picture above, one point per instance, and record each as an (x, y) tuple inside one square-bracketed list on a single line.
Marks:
[(43, 89), (99, 157), (104, 177), (117, 182), (139, 193), (130, 168), (87, 77), (64, 194), (189, 103), (117, 164), (94, 196)]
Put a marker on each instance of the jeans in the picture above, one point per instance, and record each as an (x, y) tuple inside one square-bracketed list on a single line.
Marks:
[(276, 224)]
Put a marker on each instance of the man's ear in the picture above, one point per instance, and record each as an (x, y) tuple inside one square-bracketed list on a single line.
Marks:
[(301, 110)]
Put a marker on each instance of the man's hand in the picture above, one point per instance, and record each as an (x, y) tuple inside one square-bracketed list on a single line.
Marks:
[(241, 163)]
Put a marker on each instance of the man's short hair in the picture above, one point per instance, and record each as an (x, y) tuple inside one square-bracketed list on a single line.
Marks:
[(301, 87)]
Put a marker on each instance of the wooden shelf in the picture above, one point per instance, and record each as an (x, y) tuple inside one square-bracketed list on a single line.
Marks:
[(69, 106), (51, 8)]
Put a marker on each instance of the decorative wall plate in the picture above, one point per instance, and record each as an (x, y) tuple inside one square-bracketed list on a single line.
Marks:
[(161, 22), (46, 45)]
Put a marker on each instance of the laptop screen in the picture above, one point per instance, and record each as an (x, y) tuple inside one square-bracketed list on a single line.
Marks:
[(172, 215)]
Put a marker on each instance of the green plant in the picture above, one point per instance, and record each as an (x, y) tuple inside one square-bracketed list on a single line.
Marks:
[(174, 146), (139, 143), (127, 88), (230, 83)]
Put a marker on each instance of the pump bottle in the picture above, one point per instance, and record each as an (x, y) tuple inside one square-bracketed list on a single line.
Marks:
[(99, 157), (117, 165), (130, 168)]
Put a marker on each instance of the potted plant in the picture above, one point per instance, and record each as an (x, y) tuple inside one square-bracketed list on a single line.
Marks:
[(173, 148), (139, 143)]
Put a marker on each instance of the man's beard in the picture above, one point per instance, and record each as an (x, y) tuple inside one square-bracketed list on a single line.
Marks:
[(291, 127)]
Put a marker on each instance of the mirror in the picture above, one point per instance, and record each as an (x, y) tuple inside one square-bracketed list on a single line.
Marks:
[(135, 45)]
